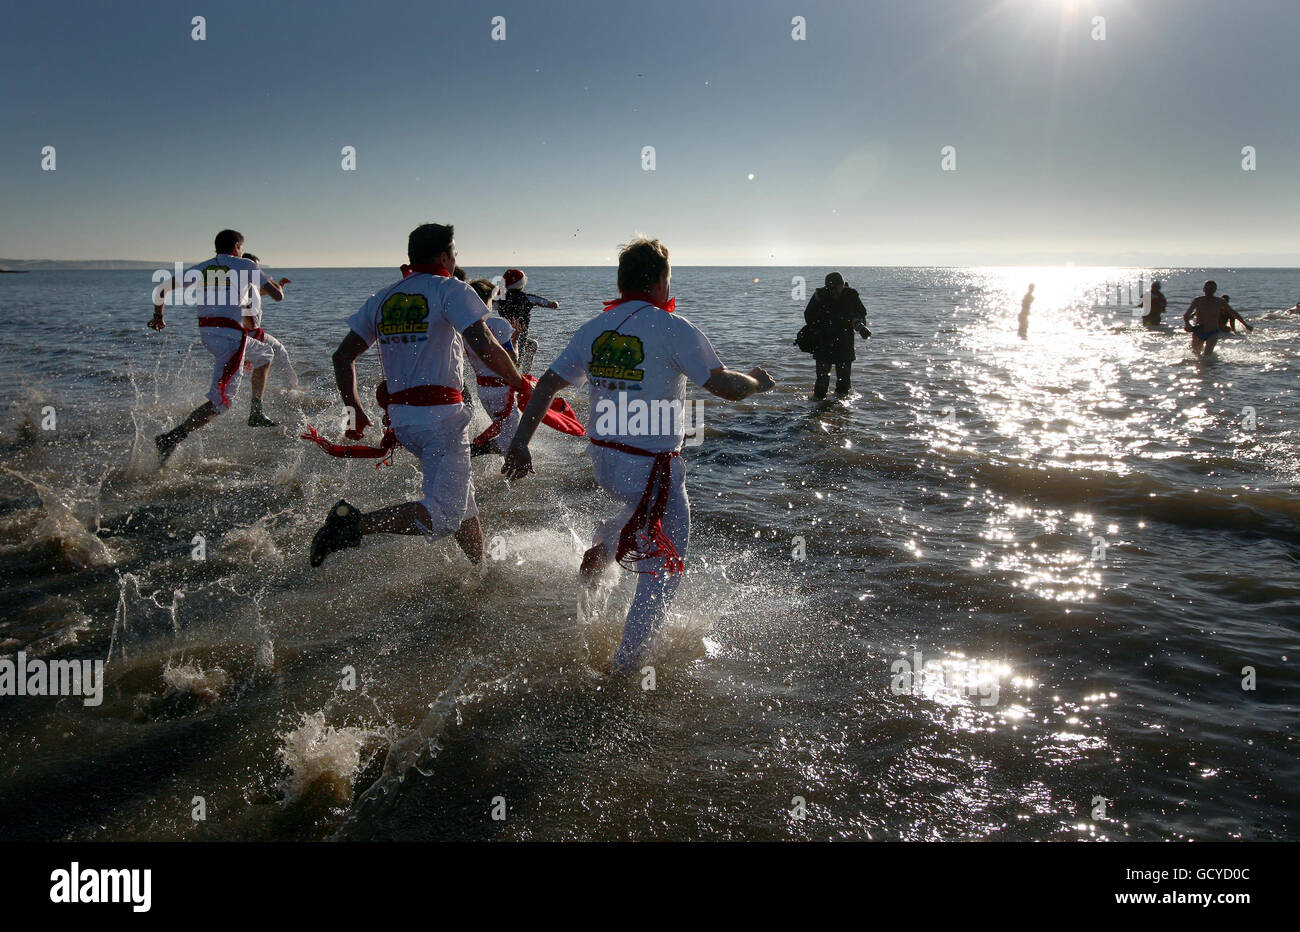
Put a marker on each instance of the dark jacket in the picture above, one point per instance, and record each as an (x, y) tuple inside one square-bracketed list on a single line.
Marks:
[(833, 321), (517, 307)]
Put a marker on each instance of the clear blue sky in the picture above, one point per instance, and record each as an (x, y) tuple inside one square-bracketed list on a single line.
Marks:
[(1123, 151)]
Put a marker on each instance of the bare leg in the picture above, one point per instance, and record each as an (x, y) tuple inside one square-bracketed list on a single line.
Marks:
[(257, 417), (470, 538), (168, 442), (346, 526), (260, 375), (406, 518), (1209, 345), (199, 416), (594, 562), (413, 518)]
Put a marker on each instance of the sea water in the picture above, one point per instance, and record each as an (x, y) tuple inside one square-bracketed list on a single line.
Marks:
[(1008, 589)]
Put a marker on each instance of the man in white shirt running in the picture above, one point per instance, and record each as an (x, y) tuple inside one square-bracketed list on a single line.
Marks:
[(225, 279), (280, 356), (636, 357), (498, 399), (419, 323)]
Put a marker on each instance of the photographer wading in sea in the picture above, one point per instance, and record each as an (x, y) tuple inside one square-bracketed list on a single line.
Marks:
[(831, 317)]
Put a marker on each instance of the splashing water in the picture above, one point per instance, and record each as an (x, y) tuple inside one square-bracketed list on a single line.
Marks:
[(322, 758)]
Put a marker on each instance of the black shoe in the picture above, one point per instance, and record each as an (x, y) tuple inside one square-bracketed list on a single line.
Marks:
[(257, 419), (167, 444), (342, 528)]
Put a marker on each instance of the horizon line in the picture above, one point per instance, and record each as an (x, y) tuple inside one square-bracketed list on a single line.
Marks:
[(728, 265)]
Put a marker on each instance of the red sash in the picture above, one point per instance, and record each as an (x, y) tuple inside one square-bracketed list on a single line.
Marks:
[(423, 268), (559, 416), (649, 514), (425, 395), (421, 395), (641, 296), (234, 362)]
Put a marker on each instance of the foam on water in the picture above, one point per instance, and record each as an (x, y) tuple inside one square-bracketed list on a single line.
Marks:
[(253, 544), (322, 758), (56, 525), (189, 678)]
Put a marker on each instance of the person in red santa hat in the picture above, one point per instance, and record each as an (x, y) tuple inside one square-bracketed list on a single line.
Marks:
[(517, 307)]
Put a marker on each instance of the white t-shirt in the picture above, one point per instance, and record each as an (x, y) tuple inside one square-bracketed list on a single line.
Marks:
[(253, 308), (418, 322), (223, 289), (633, 356), (502, 330)]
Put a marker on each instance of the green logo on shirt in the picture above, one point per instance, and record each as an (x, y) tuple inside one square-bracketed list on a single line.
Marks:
[(404, 313), (216, 276), (616, 355)]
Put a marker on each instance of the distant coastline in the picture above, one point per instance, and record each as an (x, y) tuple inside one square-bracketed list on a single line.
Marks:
[(75, 265), (60, 265)]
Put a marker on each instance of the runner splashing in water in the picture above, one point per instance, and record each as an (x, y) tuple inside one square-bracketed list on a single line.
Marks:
[(516, 306), (226, 282), (419, 323), (637, 347), (493, 390), (253, 324)]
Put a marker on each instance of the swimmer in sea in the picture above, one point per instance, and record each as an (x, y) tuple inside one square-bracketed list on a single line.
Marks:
[(1025, 303), (1155, 306), (1208, 309)]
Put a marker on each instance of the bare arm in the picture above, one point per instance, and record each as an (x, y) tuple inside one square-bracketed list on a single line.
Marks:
[(519, 462), (345, 376), (275, 289), (730, 385), (160, 296), (482, 341)]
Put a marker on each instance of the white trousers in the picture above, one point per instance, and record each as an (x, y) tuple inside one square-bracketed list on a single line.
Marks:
[(494, 399), (443, 450), (223, 344), (624, 476)]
